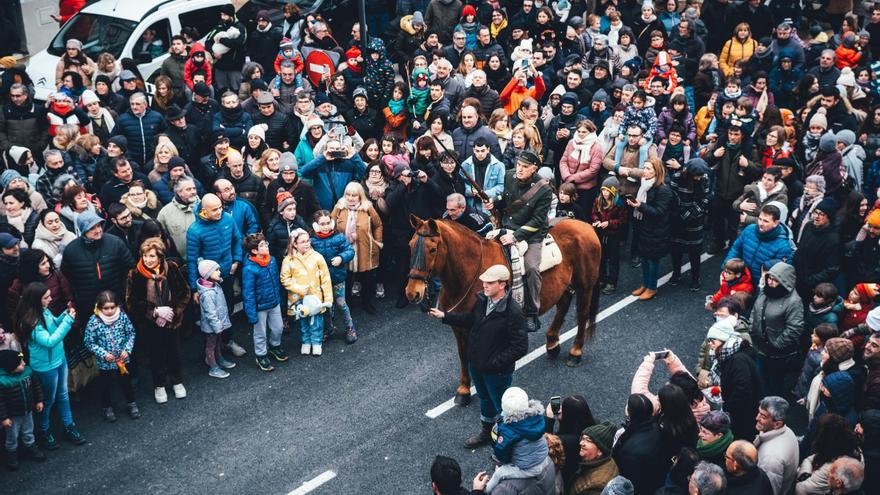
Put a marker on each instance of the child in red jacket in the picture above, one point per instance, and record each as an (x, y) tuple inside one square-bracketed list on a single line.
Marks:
[(856, 307), (286, 51), (735, 277), (608, 217), (197, 61)]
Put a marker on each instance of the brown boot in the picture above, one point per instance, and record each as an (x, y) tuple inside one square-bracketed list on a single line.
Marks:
[(647, 294), (638, 292), (484, 437)]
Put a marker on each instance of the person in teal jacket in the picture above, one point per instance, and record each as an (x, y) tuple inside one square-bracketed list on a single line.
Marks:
[(486, 170), (42, 333)]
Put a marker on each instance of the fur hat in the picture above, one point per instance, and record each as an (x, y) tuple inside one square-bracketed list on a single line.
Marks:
[(9, 360), (839, 349), (873, 319), (514, 401), (828, 142), (207, 267), (284, 199), (721, 330), (602, 435), (819, 119)]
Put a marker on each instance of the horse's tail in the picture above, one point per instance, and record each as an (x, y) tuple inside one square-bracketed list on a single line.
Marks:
[(590, 331)]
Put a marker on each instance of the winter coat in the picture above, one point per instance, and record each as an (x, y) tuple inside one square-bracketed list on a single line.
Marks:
[(378, 74), (755, 248), (496, 340), (262, 46), (331, 247), (778, 457), (830, 166), (753, 193), (302, 192), (463, 140), (493, 181), (653, 228), (816, 481), (329, 178), (728, 183), (176, 218), (303, 275), (244, 214), (19, 393), (214, 312), (741, 389), (369, 230), (259, 288), (544, 483), (140, 132), (24, 125), (528, 222), (488, 97), (667, 118), (754, 482), (519, 437), (686, 223), (818, 257), (278, 233), (232, 60), (46, 345), (96, 266), (102, 339), (58, 286), (279, 128), (215, 240), (743, 284), (777, 323), (583, 175), (234, 124), (592, 476), (51, 244), (853, 161), (734, 51), (141, 311), (642, 378), (30, 225), (441, 16), (638, 454)]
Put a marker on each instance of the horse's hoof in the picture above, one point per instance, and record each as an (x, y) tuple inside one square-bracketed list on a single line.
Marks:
[(462, 399), (573, 360), (553, 353)]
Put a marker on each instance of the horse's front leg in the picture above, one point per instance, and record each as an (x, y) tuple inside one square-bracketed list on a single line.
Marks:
[(463, 392)]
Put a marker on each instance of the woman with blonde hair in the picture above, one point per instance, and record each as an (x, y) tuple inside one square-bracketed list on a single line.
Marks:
[(108, 66), (267, 167), (651, 210), (358, 220), (740, 47), (524, 136), (65, 137), (164, 152)]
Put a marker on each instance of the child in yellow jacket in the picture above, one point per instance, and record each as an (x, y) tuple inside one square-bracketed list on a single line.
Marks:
[(304, 273)]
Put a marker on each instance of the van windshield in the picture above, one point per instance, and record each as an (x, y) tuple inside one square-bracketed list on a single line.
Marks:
[(98, 34)]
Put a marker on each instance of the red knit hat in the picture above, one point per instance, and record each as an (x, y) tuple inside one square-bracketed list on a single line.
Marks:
[(352, 52), (867, 292), (468, 10)]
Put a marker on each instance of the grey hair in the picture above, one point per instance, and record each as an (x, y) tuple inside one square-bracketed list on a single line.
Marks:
[(850, 472), (286, 64), (830, 52), (776, 407), (709, 479), (478, 72), (138, 96), (445, 63), (180, 182), (632, 88), (458, 198), (19, 86), (53, 152)]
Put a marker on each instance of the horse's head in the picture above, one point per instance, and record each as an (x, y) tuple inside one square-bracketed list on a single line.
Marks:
[(426, 253)]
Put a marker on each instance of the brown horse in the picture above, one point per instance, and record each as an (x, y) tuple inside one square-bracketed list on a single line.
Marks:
[(457, 255)]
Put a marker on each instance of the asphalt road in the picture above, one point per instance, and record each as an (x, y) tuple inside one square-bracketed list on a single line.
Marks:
[(358, 411)]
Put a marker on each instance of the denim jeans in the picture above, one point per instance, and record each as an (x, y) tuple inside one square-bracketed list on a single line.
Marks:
[(54, 383), (268, 322), (650, 273), (311, 329), (22, 426), (340, 304), (490, 388)]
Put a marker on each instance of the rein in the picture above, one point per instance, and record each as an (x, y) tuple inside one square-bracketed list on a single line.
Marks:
[(419, 264)]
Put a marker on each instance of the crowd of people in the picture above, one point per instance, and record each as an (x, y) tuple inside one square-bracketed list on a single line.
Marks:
[(131, 218)]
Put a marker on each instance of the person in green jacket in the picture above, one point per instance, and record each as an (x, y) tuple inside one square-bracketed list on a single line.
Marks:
[(42, 334)]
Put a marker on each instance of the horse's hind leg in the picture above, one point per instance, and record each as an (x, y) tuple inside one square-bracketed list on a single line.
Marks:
[(558, 318), (583, 315)]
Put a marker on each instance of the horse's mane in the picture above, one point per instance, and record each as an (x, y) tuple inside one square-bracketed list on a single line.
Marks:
[(459, 228)]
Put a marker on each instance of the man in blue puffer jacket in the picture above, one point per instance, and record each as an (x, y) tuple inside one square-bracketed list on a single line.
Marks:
[(243, 212), (333, 171), (766, 240), (262, 300), (140, 126), (214, 236)]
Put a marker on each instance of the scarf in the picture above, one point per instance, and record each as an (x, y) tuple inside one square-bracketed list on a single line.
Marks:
[(53, 244), (642, 195), (375, 186), (19, 221), (396, 106), (261, 259), (714, 449), (733, 344), (582, 148), (763, 193), (494, 30), (324, 235), (157, 284), (109, 320), (351, 225), (231, 114)]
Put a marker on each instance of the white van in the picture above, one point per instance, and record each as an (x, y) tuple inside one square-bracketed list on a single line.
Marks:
[(116, 26)]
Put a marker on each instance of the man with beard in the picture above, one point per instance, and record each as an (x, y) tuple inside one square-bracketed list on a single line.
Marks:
[(262, 44), (178, 215), (288, 180), (785, 46), (125, 227), (243, 213), (172, 67), (247, 185), (200, 111), (211, 166), (23, 123), (486, 47), (227, 67)]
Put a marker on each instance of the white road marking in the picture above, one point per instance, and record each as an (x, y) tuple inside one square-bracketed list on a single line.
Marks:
[(540, 351), (314, 483)]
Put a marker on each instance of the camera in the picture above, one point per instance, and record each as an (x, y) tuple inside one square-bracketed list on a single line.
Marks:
[(337, 154), (661, 354)]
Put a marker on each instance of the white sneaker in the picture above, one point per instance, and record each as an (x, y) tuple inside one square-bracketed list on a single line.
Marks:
[(306, 349), (161, 395), (236, 350), (316, 350), (380, 291), (179, 391)]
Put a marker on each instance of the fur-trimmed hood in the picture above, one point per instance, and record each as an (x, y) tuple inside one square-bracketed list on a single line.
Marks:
[(535, 409)]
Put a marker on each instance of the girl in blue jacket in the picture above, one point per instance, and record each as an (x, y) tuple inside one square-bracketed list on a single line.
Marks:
[(337, 252), (42, 334)]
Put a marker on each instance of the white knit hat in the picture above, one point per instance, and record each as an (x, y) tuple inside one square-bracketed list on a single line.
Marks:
[(720, 330), (207, 267), (873, 319), (514, 401), (258, 130), (89, 96)]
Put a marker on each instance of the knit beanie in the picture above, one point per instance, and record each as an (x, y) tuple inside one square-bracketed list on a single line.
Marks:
[(417, 19), (819, 119), (720, 330), (867, 292), (619, 486), (175, 162), (9, 360), (285, 43), (839, 349), (514, 401), (828, 142), (88, 97), (570, 99), (87, 220), (258, 130), (207, 267), (284, 199), (352, 52), (8, 176), (287, 162), (602, 435), (873, 319), (468, 10), (611, 184), (314, 121), (120, 141), (846, 136), (17, 152), (828, 206)]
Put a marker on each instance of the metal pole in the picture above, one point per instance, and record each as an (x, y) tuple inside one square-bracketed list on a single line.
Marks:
[(362, 15)]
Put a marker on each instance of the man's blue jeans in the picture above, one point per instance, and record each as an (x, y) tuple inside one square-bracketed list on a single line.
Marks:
[(490, 388)]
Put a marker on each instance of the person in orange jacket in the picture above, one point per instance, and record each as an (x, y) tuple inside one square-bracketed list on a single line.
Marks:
[(518, 89), (848, 54)]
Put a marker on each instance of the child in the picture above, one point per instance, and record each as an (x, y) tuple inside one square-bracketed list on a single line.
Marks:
[(858, 304), (675, 153), (214, 317), (337, 252), (728, 309), (419, 95), (518, 438), (304, 273), (664, 71), (568, 207), (20, 396), (608, 217), (720, 122), (824, 306), (732, 92), (743, 117), (820, 334), (286, 51), (469, 26), (735, 277), (196, 62), (262, 300), (109, 335), (638, 113)]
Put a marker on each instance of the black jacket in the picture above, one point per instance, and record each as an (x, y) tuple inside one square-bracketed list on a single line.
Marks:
[(755, 482), (654, 226), (497, 340), (114, 189), (262, 47), (279, 128), (18, 394), (741, 389), (817, 258), (302, 192), (278, 234), (639, 455), (188, 142), (100, 265), (24, 125), (368, 123), (249, 187), (488, 97)]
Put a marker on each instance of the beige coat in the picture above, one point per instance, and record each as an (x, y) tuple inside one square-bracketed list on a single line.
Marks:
[(368, 231), (85, 71)]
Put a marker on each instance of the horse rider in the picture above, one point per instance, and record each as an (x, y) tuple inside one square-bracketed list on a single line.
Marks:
[(524, 206), (496, 339)]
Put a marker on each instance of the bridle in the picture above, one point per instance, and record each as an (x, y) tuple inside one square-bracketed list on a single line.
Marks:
[(418, 267)]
